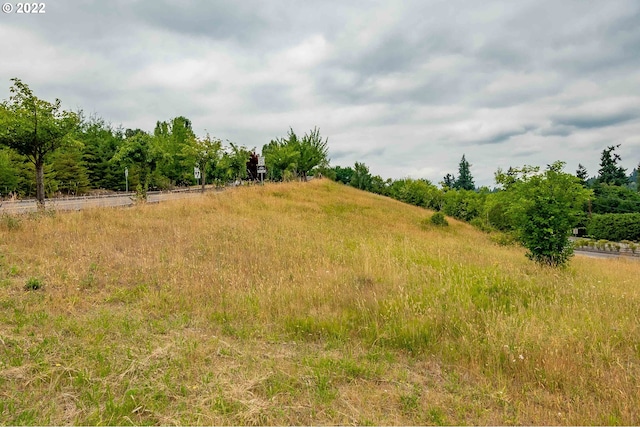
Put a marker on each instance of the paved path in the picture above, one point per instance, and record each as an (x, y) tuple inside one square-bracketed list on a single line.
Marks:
[(77, 203), (593, 254)]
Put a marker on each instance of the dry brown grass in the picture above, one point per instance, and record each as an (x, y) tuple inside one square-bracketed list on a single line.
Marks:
[(305, 304)]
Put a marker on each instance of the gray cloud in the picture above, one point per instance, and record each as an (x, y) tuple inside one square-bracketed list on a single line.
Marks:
[(405, 86), (595, 119)]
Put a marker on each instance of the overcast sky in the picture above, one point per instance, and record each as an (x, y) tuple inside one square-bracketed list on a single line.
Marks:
[(405, 87)]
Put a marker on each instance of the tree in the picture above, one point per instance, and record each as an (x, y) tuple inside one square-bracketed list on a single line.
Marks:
[(449, 181), (294, 156), (313, 152), (34, 128), (544, 207), (281, 159), (635, 178), (9, 173), (610, 172), (361, 177), (465, 180), (204, 153), (234, 162), (582, 174), (70, 171), (173, 138), (344, 175), (101, 142), (463, 204), (138, 150), (614, 199)]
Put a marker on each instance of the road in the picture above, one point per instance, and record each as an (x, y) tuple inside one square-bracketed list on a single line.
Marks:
[(77, 203), (593, 254)]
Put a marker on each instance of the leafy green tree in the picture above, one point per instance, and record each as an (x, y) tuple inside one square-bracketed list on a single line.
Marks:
[(495, 211), (610, 172), (313, 152), (463, 204), (614, 199), (173, 138), (34, 128), (465, 180), (379, 185), (344, 175), (233, 164), (544, 207), (205, 154), (418, 192), (281, 159), (295, 157), (139, 150), (361, 177), (325, 171), (9, 173)]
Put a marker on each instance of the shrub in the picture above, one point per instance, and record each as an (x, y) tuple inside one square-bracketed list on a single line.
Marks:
[(615, 227), (544, 207), (439, 219), (581, 243), (463, 204), (505, 239), (481, 225)]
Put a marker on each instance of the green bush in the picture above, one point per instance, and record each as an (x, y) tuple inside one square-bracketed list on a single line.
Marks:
[(439, 219), (505, 238), (33, 284), (481, 225), (615, 227), (463, 204), (581, 243)]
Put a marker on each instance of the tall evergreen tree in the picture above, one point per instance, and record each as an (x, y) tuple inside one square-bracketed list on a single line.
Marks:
[(449, 181), (582, 174), (101, 142), (70, 171), (465, 180), (610, 172)]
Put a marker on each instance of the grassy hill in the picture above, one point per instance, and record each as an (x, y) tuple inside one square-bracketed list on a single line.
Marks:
[(308, 303)]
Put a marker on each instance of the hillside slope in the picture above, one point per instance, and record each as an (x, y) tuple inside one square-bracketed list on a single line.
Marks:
[(304, 303)]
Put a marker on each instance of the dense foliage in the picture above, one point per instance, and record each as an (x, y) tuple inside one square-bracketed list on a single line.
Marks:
[(616, 227), (544, 207), (47, 151), (34, 128)]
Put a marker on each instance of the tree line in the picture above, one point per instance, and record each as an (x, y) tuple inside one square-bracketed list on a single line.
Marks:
[(537, 207), (45, 150)]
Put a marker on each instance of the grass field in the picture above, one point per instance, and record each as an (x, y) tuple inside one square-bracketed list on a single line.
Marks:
[(304, 303)]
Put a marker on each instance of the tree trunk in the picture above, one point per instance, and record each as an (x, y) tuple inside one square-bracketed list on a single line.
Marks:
[(40, 183), (204, 176)]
